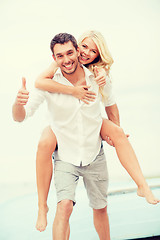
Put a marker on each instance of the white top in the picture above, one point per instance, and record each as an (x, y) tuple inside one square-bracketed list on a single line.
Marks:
[(76, 124)]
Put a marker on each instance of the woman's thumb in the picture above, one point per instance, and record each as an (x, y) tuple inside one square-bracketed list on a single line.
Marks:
[(96, 70)]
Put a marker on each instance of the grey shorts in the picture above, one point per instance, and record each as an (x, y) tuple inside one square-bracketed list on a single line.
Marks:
[(95, 178)]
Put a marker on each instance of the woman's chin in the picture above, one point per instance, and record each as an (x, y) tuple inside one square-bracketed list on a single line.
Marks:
[(84, 62)]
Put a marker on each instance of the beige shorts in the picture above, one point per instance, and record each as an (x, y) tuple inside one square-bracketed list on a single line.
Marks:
[(95, 178)]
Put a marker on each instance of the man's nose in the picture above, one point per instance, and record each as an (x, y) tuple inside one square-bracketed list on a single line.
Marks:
[(66, 59)]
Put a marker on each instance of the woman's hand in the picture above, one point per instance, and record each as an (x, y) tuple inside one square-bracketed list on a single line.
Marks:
[(83, 94), (100, 76)]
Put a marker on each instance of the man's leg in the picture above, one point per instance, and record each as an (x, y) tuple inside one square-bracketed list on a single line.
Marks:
[(101, 223), (61, 221), (66, 179), (96, 182)]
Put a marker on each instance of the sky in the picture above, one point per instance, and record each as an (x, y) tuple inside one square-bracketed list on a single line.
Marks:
[(131, 29)]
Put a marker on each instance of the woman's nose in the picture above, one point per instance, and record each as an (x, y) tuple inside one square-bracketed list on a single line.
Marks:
[(86, 51)]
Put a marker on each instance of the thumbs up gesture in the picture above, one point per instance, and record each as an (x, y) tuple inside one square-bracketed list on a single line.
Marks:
[(23, 94), (23, 83), (96, 71), (100, 76)]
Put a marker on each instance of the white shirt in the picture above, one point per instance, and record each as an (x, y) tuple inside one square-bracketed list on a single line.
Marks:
[(76, 124)]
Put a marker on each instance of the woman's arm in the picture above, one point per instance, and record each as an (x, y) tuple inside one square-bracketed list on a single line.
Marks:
[(46, 83)]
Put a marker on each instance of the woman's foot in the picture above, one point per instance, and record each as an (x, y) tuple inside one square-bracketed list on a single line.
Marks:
[(147, 193), (42, 218)]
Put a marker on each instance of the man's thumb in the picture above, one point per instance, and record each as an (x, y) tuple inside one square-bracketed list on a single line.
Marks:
[(23, 83)]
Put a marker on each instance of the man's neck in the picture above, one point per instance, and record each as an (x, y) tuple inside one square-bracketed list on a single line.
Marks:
[(77, 77)]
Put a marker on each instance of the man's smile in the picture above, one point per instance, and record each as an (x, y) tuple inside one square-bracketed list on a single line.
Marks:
[(68, 66)]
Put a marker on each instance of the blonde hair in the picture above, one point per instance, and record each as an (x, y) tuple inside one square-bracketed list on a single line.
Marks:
[(104, 59)]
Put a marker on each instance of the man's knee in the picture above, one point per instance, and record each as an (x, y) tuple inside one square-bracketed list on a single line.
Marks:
[(65, 208), (100, 211)]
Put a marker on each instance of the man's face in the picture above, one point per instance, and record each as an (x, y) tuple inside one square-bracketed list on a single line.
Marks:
[(66, 57)]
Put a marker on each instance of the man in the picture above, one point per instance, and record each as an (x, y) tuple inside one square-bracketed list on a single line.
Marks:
[(77, 128)]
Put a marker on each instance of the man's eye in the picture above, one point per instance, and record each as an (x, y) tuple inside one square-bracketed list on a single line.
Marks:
[(70, 53), (59, 56)]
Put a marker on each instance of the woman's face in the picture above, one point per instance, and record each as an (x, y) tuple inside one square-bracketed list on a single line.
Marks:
[(88, 51)]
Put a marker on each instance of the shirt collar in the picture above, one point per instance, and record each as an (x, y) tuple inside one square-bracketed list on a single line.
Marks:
[(58, 72)]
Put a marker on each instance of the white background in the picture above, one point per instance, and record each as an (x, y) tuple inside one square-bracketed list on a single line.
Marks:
[(131, 29)]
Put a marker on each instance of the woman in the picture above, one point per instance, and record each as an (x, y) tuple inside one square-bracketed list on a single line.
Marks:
[(94, 55)]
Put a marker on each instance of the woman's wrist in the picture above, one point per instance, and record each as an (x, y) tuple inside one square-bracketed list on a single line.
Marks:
[(73, 91)]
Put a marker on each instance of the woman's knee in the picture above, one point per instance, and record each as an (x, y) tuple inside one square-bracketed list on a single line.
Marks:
[(45, 145), (117, 133), (47, 141)]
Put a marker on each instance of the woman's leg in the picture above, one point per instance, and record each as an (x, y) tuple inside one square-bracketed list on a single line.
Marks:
[(127, 158), (44, 169)]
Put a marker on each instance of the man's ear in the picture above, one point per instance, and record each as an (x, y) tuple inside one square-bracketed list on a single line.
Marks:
[(53, 57)]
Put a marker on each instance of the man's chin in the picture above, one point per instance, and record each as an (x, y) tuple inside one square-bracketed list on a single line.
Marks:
[(69, 72)]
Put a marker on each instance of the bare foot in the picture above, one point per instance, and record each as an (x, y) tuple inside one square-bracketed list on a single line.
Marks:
[(42, 218), (147, 193)]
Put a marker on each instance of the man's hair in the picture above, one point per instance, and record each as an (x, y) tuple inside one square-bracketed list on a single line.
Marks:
[(62, 38)]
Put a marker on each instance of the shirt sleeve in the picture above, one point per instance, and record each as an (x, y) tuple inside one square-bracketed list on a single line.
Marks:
[(36, 98), (108, 97)]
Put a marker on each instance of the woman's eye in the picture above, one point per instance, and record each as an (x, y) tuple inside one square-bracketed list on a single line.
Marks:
[(84, 46)]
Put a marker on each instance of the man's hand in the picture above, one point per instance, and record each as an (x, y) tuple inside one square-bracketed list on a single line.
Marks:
[(110, 142), (18, 110), (100, 76), (82, 93), (23, 94)]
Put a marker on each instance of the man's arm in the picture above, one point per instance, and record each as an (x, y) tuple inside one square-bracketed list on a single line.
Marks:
[(18, 110), (113, 114)]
